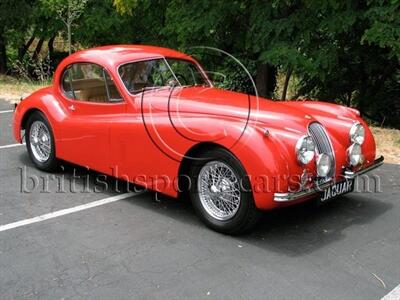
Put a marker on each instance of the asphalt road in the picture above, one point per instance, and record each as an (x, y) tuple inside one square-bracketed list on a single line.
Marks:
[(140, 248)]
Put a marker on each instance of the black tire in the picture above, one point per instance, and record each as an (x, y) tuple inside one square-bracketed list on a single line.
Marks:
[(247, 213), (52, 163)]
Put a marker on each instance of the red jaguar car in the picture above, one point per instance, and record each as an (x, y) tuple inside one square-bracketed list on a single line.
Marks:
[(151, 116)]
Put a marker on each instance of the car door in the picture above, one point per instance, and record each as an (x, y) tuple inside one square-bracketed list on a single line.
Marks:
[(135, 154), (93, 103)]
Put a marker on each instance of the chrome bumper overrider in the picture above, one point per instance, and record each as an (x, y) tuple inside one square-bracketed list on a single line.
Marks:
[(347, 174)]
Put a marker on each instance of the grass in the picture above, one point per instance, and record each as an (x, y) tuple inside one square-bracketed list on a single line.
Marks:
[(387, 140), (13, 89), (387, 143)]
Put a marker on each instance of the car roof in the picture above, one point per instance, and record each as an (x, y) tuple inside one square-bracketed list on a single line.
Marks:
[(118, 54)]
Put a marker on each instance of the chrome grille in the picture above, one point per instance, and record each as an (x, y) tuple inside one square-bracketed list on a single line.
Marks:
[(322, 142)]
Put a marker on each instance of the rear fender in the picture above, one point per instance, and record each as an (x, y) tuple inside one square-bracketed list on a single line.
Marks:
[(44, 102)]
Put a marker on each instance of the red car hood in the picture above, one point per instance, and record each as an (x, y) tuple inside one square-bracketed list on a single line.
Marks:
[(280, 116), (218, 102)]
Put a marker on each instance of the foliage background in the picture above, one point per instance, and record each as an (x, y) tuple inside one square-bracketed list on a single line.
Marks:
[(346, 52)]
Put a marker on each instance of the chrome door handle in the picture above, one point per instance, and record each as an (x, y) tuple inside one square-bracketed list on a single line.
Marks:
[(71, 107)]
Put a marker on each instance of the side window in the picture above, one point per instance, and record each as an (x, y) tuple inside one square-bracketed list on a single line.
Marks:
[(89, 82), (112, 91), (67, 84), (186, 72)]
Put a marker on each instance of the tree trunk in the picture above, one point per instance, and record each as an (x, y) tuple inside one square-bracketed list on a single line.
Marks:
[(368, 90), (349, 99), (69, 25), (38, 49), (265, 80), (24, 48), (285, 86), (3, 55), (69, 39), (50, 45)]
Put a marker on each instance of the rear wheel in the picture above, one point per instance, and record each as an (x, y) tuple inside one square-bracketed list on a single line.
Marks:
[(221, 194), (40, 142)]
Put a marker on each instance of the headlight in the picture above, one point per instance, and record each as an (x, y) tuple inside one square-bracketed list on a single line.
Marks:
[(305, 150), (323, 165), (357, 133), (355, 155)]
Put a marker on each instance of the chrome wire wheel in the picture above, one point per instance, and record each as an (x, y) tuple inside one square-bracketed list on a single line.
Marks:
[(219, 190), (40, 141)]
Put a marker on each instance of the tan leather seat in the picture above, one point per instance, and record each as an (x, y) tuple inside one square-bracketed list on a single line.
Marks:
[(95, 94), (92, 90)]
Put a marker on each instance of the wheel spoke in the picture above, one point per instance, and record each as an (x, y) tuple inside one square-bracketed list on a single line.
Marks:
[(40, 141), (219, 190)]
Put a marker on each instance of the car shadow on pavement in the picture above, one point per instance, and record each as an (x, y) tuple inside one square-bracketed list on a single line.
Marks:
[(302, 229), (294, 231)]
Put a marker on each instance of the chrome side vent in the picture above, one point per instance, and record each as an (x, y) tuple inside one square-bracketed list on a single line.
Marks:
[(323, 143)]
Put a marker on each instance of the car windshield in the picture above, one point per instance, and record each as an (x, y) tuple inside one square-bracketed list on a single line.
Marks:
[(158, 73)]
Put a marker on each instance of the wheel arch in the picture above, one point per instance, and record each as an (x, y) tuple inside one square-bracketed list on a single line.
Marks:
[(262, 159), (185, 164), (27, 114), (21, 116)]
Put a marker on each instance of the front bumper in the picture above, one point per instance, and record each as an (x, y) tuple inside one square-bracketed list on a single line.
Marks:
[(347, 174)]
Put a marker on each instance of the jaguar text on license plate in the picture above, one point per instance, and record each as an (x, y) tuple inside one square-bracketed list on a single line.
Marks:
[(337, 189)]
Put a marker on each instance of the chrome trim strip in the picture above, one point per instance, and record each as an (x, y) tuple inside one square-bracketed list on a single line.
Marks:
[(286, 197), (292, 196)]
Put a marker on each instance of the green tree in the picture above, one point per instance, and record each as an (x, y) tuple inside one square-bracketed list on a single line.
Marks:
[(103, 25), (341, 51), (68, 12), (383, 25), (14, 19)]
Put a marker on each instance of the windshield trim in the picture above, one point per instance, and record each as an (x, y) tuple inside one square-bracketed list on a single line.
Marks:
[(169, 67)]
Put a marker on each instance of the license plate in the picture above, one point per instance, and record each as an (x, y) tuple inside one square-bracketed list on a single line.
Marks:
[(337, 189)]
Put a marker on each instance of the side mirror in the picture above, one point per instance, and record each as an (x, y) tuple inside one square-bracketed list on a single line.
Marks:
[(172, 83)]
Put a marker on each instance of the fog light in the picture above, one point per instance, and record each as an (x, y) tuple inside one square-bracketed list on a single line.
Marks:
[(354, 155), (323, 165)]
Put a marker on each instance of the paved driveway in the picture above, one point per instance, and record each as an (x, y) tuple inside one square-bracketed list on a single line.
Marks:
[(141, 248)]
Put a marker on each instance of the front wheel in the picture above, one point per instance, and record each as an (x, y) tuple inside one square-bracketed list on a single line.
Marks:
[(221, 194), (40, 142)]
